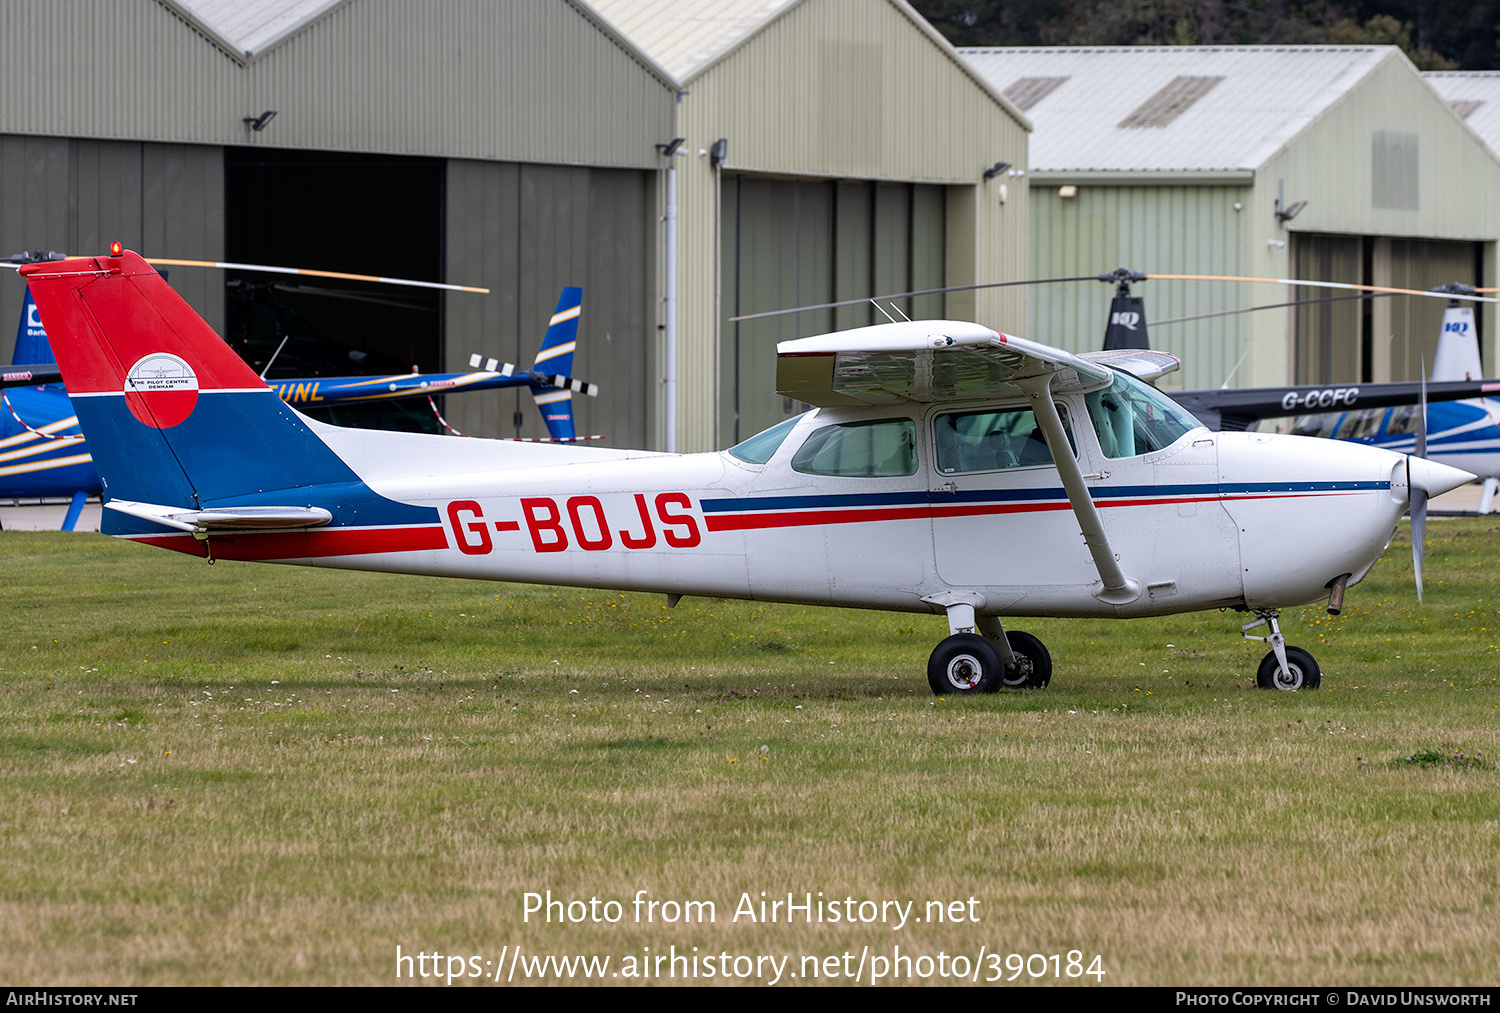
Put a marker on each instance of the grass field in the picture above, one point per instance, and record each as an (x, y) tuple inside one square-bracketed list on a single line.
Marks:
[(253, 774)]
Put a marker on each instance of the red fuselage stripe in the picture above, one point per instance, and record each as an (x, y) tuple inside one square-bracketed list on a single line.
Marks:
[(306, 544)]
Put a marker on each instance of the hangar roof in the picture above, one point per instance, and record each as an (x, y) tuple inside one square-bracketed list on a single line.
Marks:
[(1475, 96), (1171, 108), (687, 36), (249, 28)]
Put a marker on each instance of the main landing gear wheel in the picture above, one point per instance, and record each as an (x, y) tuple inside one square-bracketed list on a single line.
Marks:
[(1035, 668), (964, 663), (1304, 671)]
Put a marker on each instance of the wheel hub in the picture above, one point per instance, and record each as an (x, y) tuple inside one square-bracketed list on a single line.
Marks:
[(965, 671)]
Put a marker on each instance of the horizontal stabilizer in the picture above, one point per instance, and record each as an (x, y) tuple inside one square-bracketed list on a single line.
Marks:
[(225, 519)]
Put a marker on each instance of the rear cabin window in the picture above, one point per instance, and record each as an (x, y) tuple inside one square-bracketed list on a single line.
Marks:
[(883, 449), (991, 441)]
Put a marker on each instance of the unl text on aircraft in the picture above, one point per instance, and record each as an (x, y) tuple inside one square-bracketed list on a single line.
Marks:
[(948, 468)]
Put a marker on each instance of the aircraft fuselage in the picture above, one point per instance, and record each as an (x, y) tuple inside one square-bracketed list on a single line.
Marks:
[(1214, 519)]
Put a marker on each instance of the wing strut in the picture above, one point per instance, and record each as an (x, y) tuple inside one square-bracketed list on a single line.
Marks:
[(1115, 588)]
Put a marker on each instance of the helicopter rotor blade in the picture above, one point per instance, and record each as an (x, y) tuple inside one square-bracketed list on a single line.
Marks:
[(310, 273)]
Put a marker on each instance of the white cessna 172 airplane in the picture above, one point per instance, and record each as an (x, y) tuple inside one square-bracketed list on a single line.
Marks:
[(948, 468)]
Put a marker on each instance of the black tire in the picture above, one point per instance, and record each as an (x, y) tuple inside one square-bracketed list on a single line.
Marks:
[(965, 663), (1305, 671), (1032, 649)]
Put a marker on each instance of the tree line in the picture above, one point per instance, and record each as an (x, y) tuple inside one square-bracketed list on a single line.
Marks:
[(1435, 34)]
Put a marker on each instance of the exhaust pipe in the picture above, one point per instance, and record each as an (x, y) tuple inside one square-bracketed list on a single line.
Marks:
[(1336, 595)]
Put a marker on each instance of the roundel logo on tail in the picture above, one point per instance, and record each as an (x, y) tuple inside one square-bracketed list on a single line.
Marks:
[(161, 390)]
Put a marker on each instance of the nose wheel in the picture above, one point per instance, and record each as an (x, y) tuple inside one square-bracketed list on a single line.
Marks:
[(1301, 671), (1285, 667)]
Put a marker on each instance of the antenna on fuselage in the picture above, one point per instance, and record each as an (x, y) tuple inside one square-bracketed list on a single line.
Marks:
[(272, 360)]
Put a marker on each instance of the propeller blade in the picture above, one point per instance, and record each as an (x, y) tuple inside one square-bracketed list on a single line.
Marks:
[(309, 272), (1418, 496), (1418, 533), (1422, 422)]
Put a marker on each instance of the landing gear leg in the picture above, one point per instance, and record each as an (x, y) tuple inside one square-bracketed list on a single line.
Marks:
[(1285, 667), (1028, 665)]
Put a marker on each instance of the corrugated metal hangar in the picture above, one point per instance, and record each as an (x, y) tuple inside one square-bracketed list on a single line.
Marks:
[(497, 144), (521, 146), (1327, 163)]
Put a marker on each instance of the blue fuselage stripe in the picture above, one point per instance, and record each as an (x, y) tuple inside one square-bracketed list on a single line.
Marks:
[(1106, 492)]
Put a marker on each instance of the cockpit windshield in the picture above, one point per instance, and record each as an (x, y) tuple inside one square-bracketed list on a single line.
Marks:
[(1133, 418), (761, 447)]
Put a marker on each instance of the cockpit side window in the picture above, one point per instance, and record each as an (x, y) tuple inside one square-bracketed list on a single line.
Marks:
[(1133, 418), (882, 449), (991, 441)]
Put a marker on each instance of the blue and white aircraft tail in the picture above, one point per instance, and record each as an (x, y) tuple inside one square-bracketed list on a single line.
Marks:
[(556, 357)]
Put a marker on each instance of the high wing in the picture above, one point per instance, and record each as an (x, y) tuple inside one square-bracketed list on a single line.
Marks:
[(1236, 409), (927, 361), (937, 360)]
